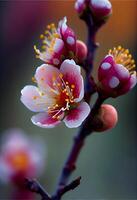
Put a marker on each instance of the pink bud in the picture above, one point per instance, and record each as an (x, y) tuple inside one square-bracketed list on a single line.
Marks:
[(81, 51), (106, 118), (68, 35), (101, 8), (116, 73), (80, 5)]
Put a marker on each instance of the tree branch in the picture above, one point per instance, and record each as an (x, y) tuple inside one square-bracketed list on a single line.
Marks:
[(35, 187)]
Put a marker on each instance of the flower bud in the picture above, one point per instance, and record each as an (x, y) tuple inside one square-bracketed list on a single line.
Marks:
[(81, 51), (116, 73), (67, 35), (105, 119), (80, 6), (101, 9)]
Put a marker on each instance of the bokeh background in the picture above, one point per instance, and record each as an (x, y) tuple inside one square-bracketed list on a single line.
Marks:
[(108, 162)]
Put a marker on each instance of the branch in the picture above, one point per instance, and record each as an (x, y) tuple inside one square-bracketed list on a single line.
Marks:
[(75, 183), (35, 187), (79, 140)]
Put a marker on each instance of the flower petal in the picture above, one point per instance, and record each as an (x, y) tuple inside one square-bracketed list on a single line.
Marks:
[(71, 74), (33, 100), (46, 75), (77, 115), (44, 120)]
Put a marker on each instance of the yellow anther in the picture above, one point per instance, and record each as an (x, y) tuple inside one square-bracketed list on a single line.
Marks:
[(61, 75), (122, 56), (73, 86), (48, 26), (33, 79), (35, 97), (42, 36), (119, 47), (42, 93)]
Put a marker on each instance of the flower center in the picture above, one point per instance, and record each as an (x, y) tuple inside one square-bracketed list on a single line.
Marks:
[(48, 39), (122, 56), (19, 161), (64, 98)]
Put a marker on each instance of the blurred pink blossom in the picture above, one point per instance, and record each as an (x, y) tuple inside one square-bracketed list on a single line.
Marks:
[(20, 157)]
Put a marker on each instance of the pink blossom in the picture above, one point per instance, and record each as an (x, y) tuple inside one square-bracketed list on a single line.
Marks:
[(58, 43), (117, 73), (57, 97), (19, 157)]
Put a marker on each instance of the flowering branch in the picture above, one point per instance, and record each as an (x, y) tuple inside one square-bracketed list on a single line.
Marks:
[(60, 89)]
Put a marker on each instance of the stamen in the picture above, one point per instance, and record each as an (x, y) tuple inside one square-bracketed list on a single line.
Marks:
[(122, 56)]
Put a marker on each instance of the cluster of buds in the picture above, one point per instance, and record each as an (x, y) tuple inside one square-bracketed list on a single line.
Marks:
[(117, 73), (100, 9), (59, 44), (20, 157)]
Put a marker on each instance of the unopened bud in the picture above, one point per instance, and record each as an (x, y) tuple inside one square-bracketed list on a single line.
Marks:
[(101, 9), (81, 51), (106, 118)]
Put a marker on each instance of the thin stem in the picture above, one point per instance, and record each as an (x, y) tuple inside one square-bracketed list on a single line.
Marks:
[(79, 140), (34, 186), (86, 128)]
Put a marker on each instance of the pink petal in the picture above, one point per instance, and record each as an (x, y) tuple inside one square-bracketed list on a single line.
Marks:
[(44, 120), (58, 46), (71, 74), (77, 115), (32, 99), (46, 75)]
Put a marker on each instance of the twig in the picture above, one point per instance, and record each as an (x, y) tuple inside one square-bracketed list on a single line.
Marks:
[(75, 183), (35, 187)]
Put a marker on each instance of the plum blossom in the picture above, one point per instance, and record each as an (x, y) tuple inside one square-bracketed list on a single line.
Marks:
[(117, 73), (20, 157), (58, 43), (57, 97)]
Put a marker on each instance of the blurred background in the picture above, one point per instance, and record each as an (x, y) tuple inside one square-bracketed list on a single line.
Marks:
[(108, 162)]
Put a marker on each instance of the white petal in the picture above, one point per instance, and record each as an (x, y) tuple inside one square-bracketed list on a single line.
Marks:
[(114, 82), (44, 120), (33, 100), (77, 115), (70, 62)]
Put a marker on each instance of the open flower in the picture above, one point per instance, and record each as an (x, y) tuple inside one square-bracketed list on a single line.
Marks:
[(117, 73), (19, 157), (58, 43), (57, 97)]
